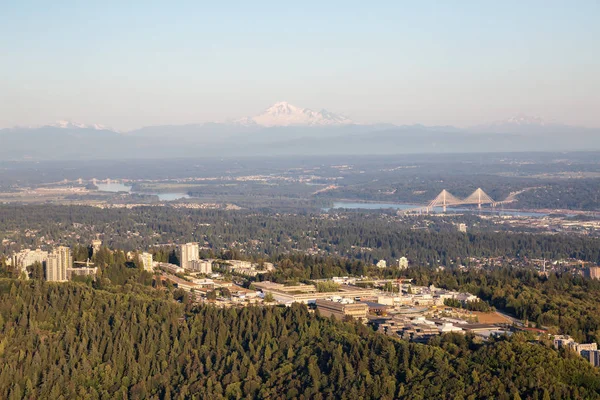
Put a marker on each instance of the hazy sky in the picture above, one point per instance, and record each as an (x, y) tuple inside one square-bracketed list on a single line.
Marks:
[(132, 63)]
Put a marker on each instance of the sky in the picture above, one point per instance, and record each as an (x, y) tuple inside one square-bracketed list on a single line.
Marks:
[(128, 64)]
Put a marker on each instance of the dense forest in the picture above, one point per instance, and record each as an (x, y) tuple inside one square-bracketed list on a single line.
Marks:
[(361, 236), (130, 342)]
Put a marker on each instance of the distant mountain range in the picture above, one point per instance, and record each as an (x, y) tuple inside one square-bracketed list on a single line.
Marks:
[(285, 129)]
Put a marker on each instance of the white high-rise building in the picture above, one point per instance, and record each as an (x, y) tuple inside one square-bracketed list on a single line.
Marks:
[(189, 252), (146, 259), (57, 264), (403, 263), (64, 254), (381, 264)]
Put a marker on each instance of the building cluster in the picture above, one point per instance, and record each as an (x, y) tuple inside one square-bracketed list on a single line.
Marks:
[(247, 268), (190, 259), (308, 294), (412, 324), (402, 263), (410, 295), (57, 264), (27, 257), (589, 351), (395, 306), (549, 223), (190, 262)]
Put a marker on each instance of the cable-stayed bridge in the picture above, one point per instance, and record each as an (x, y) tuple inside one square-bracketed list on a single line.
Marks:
[(478, 197)]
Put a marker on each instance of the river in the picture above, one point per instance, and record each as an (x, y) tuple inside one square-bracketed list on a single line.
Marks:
[(119, 187)]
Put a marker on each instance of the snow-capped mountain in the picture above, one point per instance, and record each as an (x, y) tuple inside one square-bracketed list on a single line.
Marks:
[(63, 124), (520, 123), (522, 119), (286, 114)]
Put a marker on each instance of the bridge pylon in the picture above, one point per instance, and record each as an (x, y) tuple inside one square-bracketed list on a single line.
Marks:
[(479, 197), (444, 199)]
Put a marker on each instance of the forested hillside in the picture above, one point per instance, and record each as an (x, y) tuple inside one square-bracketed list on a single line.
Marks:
[(129, 342)]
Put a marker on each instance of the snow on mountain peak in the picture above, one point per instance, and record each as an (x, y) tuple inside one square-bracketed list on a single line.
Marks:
[(285, 114), (64, 124), (522, 119)]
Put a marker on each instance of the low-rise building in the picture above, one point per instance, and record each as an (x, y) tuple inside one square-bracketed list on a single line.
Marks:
[(81, 271), (449, 327), (593, 356), (580, 347), (205, 283), (587, 350), (201, 266), (308, 293), (340, 310), (172, 268)]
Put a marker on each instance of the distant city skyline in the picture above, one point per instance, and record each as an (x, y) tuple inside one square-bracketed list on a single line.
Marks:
[(127, 65)]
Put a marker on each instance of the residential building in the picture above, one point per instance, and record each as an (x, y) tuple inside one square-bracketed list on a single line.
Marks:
[(64, 254), (462, 228), (593, 272), (189, 252), (25, 258), (593, 356), (381, 264), (589, 351), (403, 263), (57, 264), (147, 262), (563, 341), (201, 266), (581, 347), (56, 271)]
